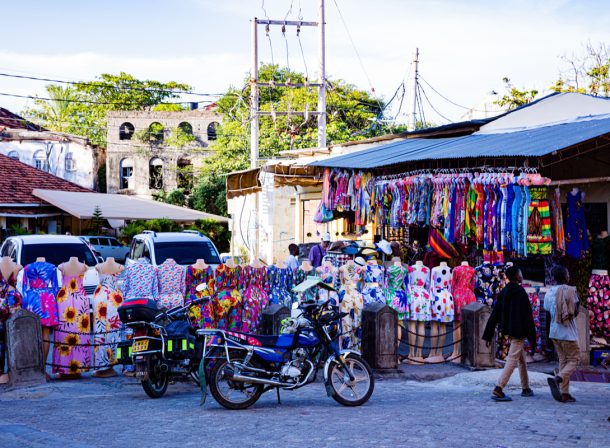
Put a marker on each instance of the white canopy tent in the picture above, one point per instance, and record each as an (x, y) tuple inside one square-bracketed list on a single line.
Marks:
[(117, 207)]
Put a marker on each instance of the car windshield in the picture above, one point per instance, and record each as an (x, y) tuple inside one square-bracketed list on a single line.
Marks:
[(57, 253), (186, 252)]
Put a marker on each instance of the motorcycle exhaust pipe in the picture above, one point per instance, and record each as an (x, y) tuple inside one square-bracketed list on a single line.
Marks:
[(250, 379), (164, 368)]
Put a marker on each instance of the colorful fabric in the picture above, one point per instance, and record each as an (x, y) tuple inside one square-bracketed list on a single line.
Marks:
[(374, 280), (539, 236), (9, 297), (172, 284), (40, 286), (559, 236), (106, 300), (577, 237), (598, 302), (351, 302), (141, 281), (396, 291), (71, 353), (418, 294), (202, 316), (227, 300), (280, 282), (440, 245), (462, 285), (254, 297), (442, 308), (329, 275)]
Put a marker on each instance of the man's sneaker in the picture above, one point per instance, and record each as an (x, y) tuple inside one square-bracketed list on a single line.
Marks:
[(554, 385), (527, 392), (498, 395), (567, 398)]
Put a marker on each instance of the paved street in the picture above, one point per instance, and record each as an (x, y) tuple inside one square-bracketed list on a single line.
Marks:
[(454, 411)]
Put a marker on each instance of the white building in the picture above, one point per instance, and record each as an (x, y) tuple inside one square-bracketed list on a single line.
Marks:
[(67, 156)]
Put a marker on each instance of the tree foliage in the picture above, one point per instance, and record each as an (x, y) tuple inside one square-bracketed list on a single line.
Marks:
[(588, 72), (81, 109), (514, 97)]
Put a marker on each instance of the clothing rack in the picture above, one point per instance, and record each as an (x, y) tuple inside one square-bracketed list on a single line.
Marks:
[(481, 169)]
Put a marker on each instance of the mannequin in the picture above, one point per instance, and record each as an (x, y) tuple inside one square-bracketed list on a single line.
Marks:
[(109, 267), (41, 259), (8, 270), (200, 264), (256, 263), (72, 267), (230, 263), (419, 313), (442, 300), (306, 266), (462, 284)]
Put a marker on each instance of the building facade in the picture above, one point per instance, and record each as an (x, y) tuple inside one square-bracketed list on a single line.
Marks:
[(150, 151)]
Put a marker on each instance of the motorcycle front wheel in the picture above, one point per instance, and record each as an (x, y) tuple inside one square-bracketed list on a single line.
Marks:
[(232, 395), (351, 392)]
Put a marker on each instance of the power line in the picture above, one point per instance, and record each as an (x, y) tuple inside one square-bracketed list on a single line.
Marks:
[(450, 101), (430, 104), (110, 86)]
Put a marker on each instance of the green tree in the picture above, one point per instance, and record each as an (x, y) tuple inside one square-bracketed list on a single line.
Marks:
[(514, 97), (97, 220), (588, 72), (352, 114), (64, 113)]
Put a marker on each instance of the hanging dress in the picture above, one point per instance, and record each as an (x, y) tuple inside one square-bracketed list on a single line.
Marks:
[(441, 309), (9, 297), (351, 302), (577, 238), (227, 298), (254, 297), (539, 236), (203, 315), (106, 323), (598, 302), (278, 286), (462, 285), (419, 297), (373, 290), (39, 289), (396, 294), (141, 281), (71, 338), (329, 275), (172, 284)]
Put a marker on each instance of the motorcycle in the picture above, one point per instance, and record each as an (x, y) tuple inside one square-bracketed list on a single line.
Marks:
[(240, 367), (164, 345)]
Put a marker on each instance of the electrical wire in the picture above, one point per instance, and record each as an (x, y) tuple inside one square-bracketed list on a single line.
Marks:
[(450, 101), (106, 103), (430, 104)]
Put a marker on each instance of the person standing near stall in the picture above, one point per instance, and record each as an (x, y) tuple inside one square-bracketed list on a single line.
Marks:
[(562, 303), (316, 254), (513, 313)]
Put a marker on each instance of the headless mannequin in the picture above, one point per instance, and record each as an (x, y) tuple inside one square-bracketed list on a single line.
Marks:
[(9, 267), (396, 262), (72, 267), (307, 267), (257, 264), (437, 336), (230, 263), (108, 267), (200, 264), (417, 331), (457, 334)]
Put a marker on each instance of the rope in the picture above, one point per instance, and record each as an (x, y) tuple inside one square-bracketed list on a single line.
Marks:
[(438, 335), (88, 334), (436, 362), (60, 344), (430, 348), (81, 368)]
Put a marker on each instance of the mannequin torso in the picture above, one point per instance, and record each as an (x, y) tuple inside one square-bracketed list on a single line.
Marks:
[(73, 267), (109, 267), (8, 267)]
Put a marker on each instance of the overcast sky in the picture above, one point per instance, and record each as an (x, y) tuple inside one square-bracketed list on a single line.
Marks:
[(466, 46)]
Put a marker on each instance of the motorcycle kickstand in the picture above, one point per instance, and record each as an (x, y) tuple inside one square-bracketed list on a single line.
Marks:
[(277, 389)]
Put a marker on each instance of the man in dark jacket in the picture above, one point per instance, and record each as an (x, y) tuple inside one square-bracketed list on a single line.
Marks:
[(513, 313)]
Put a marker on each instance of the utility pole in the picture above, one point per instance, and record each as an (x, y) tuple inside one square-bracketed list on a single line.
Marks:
[(413, 118), (322, 80), (254, 98)]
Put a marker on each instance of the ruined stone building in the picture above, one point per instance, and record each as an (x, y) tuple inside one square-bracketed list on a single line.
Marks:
[(151, 151)]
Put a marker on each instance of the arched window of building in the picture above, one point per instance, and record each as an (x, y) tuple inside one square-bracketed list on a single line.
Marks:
[(70, 163), (14, 154), (40, 160), (187, 128), (155, 172), (126, 131), (185, 174), (212, 130), (156, 132), (126, 174)]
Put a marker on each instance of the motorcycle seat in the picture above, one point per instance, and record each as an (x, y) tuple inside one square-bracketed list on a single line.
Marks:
[(264, 340)]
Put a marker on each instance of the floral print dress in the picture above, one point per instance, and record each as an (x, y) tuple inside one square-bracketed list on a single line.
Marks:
[(71, 352), (227, 299), (172, 285), (598, 302), (329, 275), (106, 322), (203, 315), (278, 281), (9, 297), (419, 297), (441, 309), (351, 302), (141, 281), (462, 285), (373, 290), (254, 297), (396, 294), (40, 286)]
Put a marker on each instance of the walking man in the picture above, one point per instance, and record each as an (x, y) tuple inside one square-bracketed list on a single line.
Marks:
[(513, 313), (563, 304)]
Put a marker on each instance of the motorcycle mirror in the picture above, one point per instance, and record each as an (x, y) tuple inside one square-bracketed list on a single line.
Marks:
[(201, 287)]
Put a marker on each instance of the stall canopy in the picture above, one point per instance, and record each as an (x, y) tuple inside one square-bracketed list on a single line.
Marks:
[(553, 123), (240, 183), (119, 207)]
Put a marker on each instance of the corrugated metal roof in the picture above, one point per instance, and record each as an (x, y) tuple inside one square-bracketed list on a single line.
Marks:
[(529, 143)]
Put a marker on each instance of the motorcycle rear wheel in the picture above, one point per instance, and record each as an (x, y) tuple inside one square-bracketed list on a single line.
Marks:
[(233, 395), (156, 383), (351, 393)]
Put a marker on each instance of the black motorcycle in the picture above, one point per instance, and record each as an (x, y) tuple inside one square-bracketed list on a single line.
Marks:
[(164, 346), (240, 367)]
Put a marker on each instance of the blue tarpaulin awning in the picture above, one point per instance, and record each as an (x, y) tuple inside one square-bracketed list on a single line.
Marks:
[(534, 142)]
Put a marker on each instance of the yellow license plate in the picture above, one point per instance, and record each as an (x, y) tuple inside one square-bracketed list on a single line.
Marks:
[(140, 346)]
